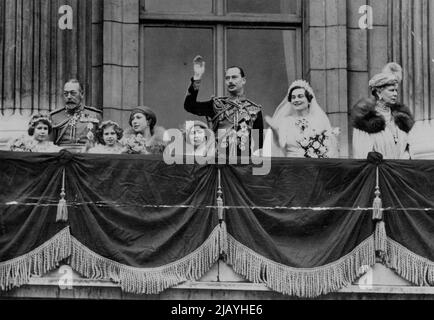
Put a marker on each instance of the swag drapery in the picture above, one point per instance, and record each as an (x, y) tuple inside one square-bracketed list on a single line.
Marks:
[(305, 229)]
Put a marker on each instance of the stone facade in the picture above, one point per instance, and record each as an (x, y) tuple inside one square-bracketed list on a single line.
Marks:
[(338, 59)]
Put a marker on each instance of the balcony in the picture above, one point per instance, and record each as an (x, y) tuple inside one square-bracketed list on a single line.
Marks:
[(133, 227)]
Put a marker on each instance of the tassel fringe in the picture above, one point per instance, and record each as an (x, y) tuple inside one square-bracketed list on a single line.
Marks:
[(17, 272), (62, 207), (303, 283), (380, 237), (410, 266), (62, 211), (223, 239), (149, 280), (377, 206)]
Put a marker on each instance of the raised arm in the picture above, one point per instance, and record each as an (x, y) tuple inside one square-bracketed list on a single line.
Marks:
[(191, 104)]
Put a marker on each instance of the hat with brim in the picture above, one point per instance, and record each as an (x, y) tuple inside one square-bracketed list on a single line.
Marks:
[(382, 80), (390, 75), (149, 114)]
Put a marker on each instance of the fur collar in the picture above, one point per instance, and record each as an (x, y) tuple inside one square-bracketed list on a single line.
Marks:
[(156, 139), (364, 117)]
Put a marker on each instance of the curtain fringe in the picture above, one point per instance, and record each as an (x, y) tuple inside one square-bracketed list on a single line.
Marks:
[(410, 266), (147, 280), (303, 283), (17, 272)]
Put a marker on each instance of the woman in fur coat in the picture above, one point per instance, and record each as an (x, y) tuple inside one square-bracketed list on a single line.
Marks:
[(382, 124), (144, 137)]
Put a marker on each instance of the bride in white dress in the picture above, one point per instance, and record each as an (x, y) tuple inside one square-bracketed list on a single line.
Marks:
[(295, 120)]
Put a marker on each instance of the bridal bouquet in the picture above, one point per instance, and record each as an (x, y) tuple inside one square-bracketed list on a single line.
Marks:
[(317, 144)]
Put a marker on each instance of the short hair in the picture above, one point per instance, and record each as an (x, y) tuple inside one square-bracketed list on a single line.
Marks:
[(106, 124), (242, 73), (35, 120), (309, 97), (75, 81)]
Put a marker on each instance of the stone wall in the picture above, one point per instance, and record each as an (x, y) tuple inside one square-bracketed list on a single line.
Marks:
[(339, 58), (326, 64), (121, 59)]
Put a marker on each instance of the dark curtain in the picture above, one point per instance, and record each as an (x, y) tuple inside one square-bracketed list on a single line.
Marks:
[(30, 186), (305, 213), (150, 226), (408, 198), (138, 211)]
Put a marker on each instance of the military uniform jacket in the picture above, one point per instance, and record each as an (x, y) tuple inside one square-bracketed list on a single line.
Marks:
[(226, 113), (74, 129)]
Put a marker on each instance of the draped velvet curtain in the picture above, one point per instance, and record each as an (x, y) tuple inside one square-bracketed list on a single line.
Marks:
[(308, 228)]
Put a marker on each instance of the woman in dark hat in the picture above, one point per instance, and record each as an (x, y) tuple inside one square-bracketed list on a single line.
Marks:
[(143, 136), (382, 124)]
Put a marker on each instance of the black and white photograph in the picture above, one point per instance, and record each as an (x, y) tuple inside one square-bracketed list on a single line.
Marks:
[(228, 152)]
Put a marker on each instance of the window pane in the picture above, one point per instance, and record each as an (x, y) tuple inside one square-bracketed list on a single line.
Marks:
[(167, 66), (181, 6), (265, 6), (269, 59)]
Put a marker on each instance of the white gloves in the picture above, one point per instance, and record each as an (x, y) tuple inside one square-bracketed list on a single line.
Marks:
[(198, 68)]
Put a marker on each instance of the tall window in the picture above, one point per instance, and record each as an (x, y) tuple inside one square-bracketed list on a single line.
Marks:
[(263, 37)]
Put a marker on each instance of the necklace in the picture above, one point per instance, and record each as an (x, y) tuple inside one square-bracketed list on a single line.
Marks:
[(386, 112), (383, 106), (394, 131)]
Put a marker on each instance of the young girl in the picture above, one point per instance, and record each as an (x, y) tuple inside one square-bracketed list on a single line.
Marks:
[(39, 131), (108, 135)]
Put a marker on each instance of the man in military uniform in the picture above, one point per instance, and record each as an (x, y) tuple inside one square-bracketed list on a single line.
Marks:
[(232, 117), (74, 125)]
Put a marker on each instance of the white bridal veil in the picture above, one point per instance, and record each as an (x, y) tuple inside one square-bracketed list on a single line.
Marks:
[(273, 146)]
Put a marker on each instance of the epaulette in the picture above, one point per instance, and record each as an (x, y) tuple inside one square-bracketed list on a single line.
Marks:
[(219, 99), (254, 104), (57, 111), (220, 102), (93, 109)]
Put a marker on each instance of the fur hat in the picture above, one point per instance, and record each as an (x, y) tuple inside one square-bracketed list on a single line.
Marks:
[(390, 75)]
